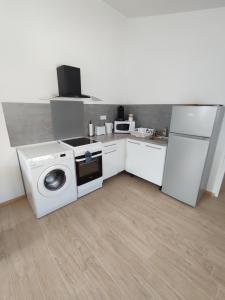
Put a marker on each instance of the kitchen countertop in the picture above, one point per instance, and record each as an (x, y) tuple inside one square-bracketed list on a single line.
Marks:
[(114, 137)]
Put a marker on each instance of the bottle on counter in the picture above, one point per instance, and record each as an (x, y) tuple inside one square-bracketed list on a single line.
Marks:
[(91, 129), (130, 117)]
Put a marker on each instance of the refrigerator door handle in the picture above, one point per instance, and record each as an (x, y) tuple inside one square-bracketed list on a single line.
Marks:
[(203, 138)]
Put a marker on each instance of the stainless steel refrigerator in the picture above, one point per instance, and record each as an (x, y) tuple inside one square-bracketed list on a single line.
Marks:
[(194, 132)]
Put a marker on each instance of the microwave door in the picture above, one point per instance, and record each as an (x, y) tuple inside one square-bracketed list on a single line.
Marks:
[(123, 127)]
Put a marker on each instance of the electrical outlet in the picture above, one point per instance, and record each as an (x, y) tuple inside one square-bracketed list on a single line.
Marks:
[(102, 117)]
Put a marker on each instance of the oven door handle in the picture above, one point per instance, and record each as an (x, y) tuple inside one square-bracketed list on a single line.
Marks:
[(83, 159)]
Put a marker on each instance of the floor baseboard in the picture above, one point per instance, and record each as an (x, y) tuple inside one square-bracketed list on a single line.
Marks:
[(11, 201), (210, 194)]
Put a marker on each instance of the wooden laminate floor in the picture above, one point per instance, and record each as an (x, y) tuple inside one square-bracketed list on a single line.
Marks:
[(125, 241)]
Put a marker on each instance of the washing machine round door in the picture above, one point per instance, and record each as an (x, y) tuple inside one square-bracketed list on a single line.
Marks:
[(54, 180)]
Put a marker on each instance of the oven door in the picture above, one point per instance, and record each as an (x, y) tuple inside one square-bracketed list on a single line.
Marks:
[(88, 169)]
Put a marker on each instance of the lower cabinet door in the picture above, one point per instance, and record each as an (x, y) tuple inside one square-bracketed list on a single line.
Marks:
[(109, 160), (134, 161), (136, 157), (146, 160), (121, 155), (113, 158), (154, 161)]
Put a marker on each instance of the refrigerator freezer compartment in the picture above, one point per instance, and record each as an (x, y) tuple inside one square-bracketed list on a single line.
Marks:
[(193, 120)]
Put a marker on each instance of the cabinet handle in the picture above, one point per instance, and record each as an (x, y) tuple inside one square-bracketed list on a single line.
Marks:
[(153, 147), (109, 145), (134, 143), (110, 152)]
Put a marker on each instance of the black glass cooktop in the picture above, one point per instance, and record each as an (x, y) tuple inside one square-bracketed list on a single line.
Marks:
[(79, 142)]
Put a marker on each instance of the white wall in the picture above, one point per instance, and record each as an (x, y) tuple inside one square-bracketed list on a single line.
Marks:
[(177, 58), (218, 167), (37, 36), (10, 179)]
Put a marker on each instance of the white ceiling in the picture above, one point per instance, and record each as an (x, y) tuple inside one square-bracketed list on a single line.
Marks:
[(141, 8)]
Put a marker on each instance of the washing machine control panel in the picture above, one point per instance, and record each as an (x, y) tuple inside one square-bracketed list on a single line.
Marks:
[(56, 158)]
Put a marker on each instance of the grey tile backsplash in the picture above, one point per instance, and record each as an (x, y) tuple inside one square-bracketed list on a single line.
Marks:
[(150, 115), (30, 123), (92, 112), (67, 119)]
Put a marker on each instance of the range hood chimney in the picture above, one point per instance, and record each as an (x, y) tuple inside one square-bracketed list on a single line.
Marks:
[(69, 82)]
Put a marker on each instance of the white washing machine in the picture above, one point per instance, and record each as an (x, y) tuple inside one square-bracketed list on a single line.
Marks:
[(49, 176)]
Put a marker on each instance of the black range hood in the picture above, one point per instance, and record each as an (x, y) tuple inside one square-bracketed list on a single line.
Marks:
[(69, 82)]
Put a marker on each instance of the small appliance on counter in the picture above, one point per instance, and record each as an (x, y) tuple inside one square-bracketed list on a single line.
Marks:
[(99, 130), (124, 126), (109, 128), (120, 113)]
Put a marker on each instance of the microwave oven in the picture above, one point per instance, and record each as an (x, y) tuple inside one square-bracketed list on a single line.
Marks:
[(124, 126)]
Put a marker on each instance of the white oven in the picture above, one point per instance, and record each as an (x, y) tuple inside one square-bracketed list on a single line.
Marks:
[(89, 167), (88, 164), (124, 126)]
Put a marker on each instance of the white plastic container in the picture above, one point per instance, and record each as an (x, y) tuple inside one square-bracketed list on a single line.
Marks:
[(99, 130), (108, 128)]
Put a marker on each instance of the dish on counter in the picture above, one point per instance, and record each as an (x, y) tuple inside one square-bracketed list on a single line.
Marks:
[(143, 132)]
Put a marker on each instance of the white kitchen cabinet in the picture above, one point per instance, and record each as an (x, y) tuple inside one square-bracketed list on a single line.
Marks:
[(134, 159), (145, 160), (113, 158), (120, 163), (154, 161)]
